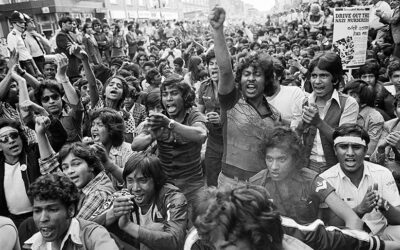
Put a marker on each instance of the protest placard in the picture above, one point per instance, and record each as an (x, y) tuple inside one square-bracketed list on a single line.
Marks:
[(350, 35)]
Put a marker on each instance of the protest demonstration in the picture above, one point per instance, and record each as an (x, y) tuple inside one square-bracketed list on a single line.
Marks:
[(200, 124)]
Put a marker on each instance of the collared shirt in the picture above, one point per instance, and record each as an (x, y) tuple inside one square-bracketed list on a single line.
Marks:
[(119, 156), (95, 193), (15, 41), (33, 45), (305, 192), (81, 235), (353, 196), (349, 115), (372, 121)]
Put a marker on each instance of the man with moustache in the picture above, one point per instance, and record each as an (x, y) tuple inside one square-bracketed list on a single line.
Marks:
[(368, 188)]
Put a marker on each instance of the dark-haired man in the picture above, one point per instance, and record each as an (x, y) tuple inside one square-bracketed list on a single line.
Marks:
[(55, 198), (67, 44), (180, 133), (368, 188)]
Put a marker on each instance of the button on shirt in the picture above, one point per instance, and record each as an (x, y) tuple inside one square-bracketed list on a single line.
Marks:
[(353, 195), (349, 115), (33, 45), (15, 41)]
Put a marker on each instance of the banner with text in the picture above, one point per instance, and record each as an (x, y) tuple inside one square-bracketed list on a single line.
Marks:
[(350, 35)]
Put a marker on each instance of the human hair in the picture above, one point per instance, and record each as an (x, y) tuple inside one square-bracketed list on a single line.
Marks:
[(210, 55), (64, 19), (151, 74), (284, 138), (47, 84), (54, 186), (4, 122), (125, 88), (351, 129), (113, 122), (139, 55), (152, 99), (86, 26), (116, 29), (132, 67), (147, 164), (179, 61), (371, 66), (194, 61), (188, 93), (84, 152), (392, 67), (262, 61), (331, 62), (279, 69), (365, 92), (243, 212), (148, 63)]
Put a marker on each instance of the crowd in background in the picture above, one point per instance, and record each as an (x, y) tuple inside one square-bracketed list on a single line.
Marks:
[(200, 134)]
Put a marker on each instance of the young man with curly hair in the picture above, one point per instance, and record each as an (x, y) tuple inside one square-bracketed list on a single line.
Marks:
[(55, 198)]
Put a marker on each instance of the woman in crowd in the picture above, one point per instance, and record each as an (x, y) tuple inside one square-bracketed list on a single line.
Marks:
[(107, 129), (369, 118), (90, 44)]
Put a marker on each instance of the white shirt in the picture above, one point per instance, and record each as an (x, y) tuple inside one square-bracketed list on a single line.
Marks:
[(353, 195), (14, 189), (15, 41), (349, 115), (289, 102), (374, 19)]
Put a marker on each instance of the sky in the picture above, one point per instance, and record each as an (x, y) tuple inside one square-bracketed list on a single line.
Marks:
[(262, 5)]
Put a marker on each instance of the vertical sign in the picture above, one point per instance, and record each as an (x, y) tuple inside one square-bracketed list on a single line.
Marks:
[(350, 35)]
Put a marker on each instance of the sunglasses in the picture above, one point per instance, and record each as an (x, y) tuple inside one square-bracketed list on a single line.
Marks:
[(10, 136), (54, 97)]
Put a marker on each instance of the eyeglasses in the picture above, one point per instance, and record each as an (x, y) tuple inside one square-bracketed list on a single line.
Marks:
[(10, 136), (54, 97)]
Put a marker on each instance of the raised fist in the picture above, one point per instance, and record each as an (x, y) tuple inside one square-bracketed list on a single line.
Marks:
[(217, 17)]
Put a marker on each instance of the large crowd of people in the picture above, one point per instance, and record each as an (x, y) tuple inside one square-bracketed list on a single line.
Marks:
[(200, 135)]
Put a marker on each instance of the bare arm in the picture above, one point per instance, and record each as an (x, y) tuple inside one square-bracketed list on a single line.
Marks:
[(341, 209), (226, 79), (61, 77)]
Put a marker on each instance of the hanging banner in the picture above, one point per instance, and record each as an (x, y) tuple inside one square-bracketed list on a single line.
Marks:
[(350, 35)]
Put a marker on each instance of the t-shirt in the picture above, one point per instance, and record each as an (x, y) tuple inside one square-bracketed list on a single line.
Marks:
[(180, 158), (289, 103), (14, 189), (243, 132)]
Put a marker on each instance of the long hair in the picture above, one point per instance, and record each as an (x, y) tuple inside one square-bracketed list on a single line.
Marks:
[(17, 125), (241, 213)]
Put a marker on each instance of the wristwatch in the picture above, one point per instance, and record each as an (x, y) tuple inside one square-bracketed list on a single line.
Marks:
[(171, 124)]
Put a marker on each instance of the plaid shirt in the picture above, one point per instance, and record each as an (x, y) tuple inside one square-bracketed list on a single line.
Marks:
[(138, 111), (93, 195), (9, 112)]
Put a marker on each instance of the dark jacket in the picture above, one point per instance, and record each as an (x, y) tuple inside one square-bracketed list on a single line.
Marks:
[(62, 40)]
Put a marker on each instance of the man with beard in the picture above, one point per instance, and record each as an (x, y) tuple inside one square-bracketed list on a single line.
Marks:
[(55, 198), (368, 188), (66, 44), (180, 134)]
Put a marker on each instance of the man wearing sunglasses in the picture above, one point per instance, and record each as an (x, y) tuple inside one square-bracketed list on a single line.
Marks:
[(49, 95)]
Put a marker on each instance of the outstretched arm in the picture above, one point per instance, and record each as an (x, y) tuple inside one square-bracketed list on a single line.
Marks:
[(226, 78)]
